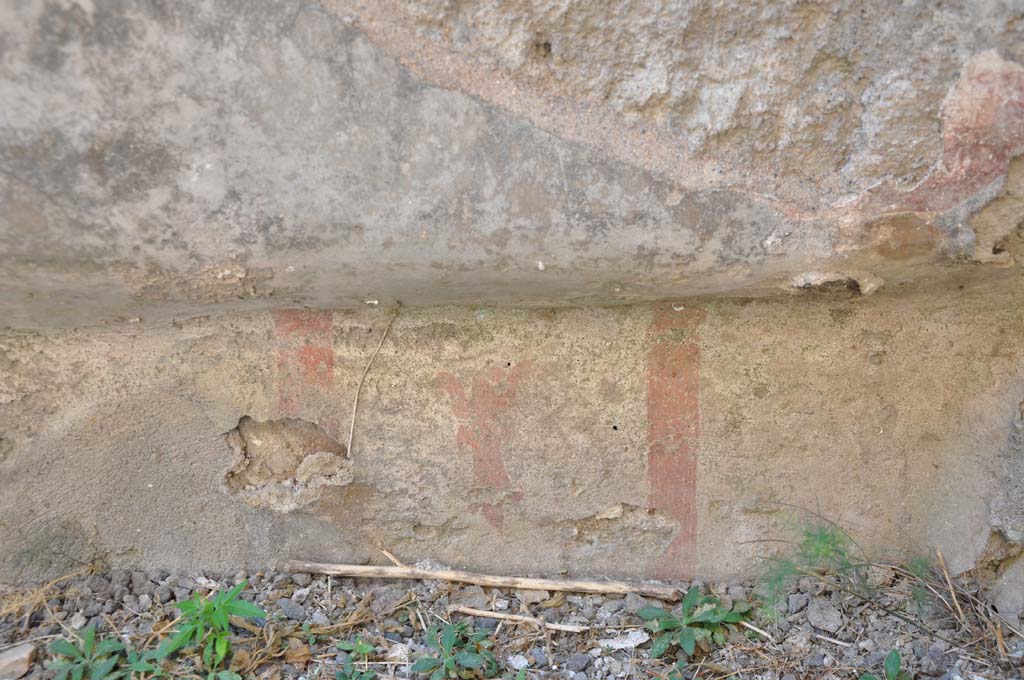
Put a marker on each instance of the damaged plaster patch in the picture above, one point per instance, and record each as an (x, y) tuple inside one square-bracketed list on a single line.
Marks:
[(1001, 564), (623, 526), (283, 465), (860, 282), (999, 225)]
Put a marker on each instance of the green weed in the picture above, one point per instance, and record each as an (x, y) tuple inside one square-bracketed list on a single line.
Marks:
[(699, 619), (93, 660), (205, 624), (461, 653), (144, 664), (891, 667), (348, 671)]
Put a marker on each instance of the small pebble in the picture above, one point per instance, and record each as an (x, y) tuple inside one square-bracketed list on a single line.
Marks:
[(634, 603), (291, 609), (577, 662)]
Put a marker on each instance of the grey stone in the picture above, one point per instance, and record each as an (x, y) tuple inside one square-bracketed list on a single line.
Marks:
[(634, 603), (302, 580), (99, 584), (120, 577), (814, 659), (140, 583), (577, 662), (875, 657), (540, 657), (291, 609), (797, 602), (470, 596), (320, 619), (483, 623), (163, 594), (935, 662), (823, 615)]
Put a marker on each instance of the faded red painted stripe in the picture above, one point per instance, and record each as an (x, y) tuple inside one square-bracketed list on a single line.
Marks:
[(484, 429), (673, 432), (305, 364)]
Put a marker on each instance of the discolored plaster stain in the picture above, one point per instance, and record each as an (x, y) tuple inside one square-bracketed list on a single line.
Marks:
[(901, 236), (304, 363), (673, 433), (982, 131), (482, 408)]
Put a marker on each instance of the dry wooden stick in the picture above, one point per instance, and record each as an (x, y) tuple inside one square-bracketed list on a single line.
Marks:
[(359, 387), (762, 633), (518, 618), (952, 591), (369, 571)]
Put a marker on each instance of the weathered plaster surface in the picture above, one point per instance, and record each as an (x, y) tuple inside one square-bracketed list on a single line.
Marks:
[(163, 159), (195, 196), (632, 441)]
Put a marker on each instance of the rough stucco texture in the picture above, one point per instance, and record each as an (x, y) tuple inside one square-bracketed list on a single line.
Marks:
[(158, 158), (195, 197), (631, 441)]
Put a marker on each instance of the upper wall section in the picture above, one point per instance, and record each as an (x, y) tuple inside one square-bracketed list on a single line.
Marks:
[(161, 158)]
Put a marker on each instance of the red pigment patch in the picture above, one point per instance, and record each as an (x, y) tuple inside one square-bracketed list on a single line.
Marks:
[(305, 365), (982, 131), (673, 432), (484, 429)]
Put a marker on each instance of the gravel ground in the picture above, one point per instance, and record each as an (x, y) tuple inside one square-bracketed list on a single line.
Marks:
[(819, 633)]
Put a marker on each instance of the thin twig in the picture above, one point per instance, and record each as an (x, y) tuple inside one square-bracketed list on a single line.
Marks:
[(359, 386), (952, 591), (518, 618), (394, 560), (833, 640), (762, 633), (371, 571)]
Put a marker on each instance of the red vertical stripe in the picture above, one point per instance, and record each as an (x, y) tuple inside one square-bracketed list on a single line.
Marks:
[(673, 432), (305, 365)]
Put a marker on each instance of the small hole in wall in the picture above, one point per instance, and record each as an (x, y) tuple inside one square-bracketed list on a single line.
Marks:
[(542, 48), (508, 364), (615, 427)]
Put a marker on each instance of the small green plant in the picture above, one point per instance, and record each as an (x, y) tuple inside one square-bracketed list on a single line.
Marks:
[(92, 660), (461, 653), (892, 667), (206, 624), (358, 646), (146, 663), (830, 555), (310, 637), (823, 548), (348, 671), (699, 618)]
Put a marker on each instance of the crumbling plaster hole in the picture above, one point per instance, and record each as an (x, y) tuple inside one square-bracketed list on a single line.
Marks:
[(283, 465), (859, 283)]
